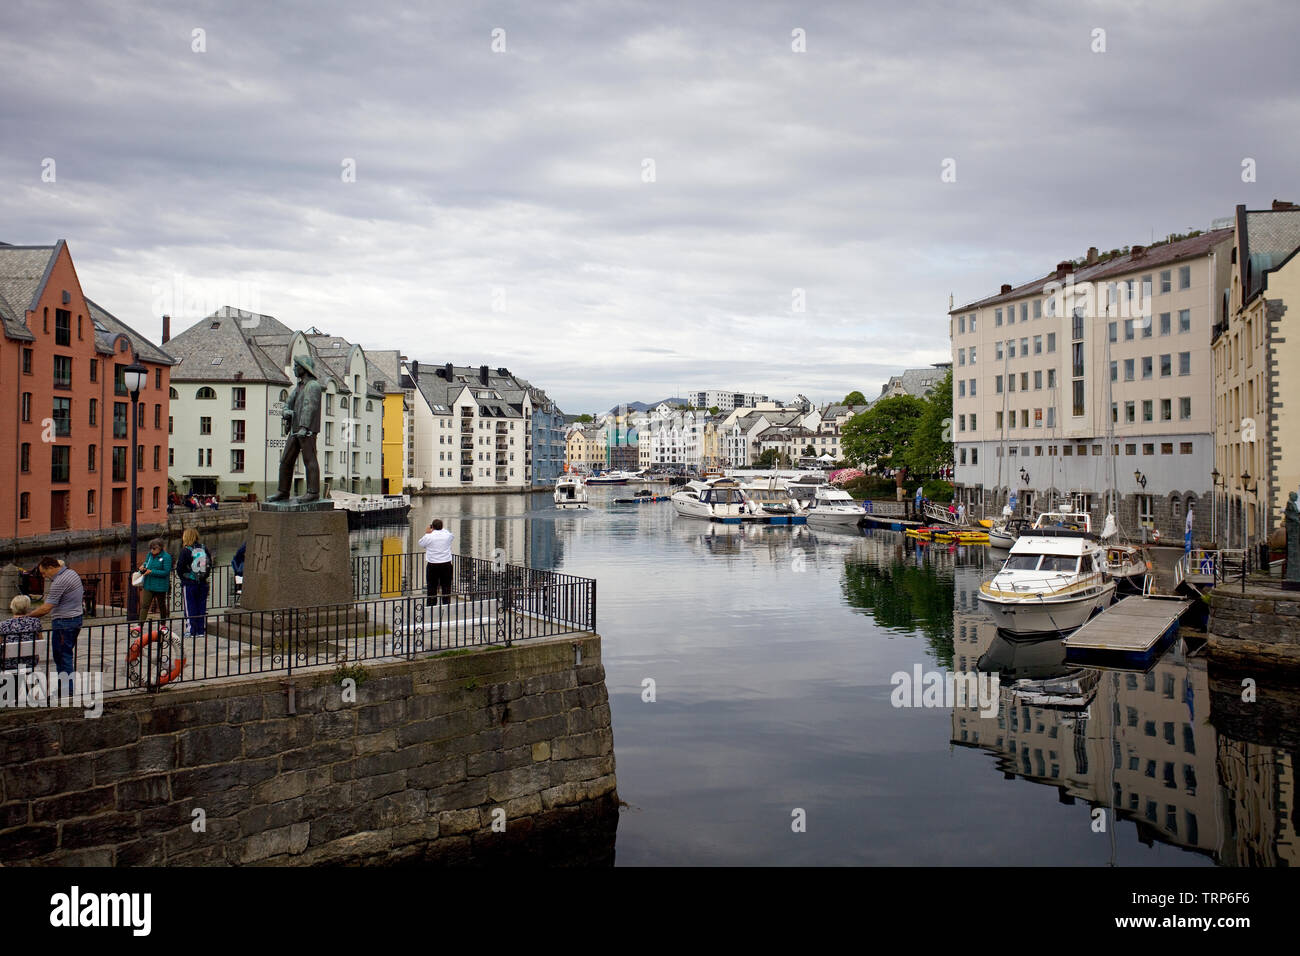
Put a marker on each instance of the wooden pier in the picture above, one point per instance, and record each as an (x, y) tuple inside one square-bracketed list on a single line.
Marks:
[(1128, 633)]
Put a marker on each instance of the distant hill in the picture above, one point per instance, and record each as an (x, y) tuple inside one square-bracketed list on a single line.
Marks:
[(644, 406)]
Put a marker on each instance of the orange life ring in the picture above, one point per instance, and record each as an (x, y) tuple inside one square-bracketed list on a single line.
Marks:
[(144, 639)]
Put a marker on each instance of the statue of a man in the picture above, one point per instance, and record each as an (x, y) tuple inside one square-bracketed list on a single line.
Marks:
[(302, 413), (1292, 517)]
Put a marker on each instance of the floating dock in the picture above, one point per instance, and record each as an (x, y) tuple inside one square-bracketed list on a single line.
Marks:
[(763, 519), (642, 500), (889, 521), (1129, 633)]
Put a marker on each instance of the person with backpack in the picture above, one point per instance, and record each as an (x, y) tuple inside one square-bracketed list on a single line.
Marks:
[(194, 566)]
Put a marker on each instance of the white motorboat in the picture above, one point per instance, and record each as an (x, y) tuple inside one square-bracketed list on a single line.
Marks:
[(1054, 579), (570, 493), (1126, 563), (1004, 534), (834, 507), (613, 478), (716, 498), (771, 496)]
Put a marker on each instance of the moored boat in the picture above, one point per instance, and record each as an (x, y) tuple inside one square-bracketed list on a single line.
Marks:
[(717, 498), (570, 493), (366, 511), (834, 507)]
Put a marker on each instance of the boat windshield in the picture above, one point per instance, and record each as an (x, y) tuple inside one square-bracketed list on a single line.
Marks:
[(723, 496), (1060, 563), (1021, 562)]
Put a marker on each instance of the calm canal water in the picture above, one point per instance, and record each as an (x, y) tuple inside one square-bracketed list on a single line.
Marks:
[(772, 652)]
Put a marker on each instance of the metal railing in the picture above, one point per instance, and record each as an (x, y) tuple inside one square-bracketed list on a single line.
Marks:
[(373, 576), (1203, 566), (180, 649)]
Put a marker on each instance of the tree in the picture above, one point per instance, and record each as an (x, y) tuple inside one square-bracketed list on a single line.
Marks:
[(882, 436), (713, 409), (585, 419), (932, 445), (810, 452), (854, 398), (768, 459)]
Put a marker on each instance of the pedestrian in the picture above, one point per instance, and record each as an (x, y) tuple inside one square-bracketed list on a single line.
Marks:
[(19, 629), (157, 570), (193, 567), (237, 562), (437, 569), (1187, 533), (192, 503), (961, 513), (63, 599), (916, 510)]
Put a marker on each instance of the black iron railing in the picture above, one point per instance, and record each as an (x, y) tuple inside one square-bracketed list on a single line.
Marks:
[(233, 642)]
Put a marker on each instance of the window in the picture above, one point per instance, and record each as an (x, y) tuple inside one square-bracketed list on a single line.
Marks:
[(1051, 378), (1114, 412), (1114, 371), (157, 379), (63, 417), (26, 407), (205, 425), (1024, 311), (1011, 348), (1148, 410), (1128, 370), (1111, 331), (997, 317), (1038, 378), (237, 397), (961, 423), (1184, 277), (1167, 448), (961, 325), (25, 457), (25, 505), (62, 327), (1184, 363), (1078, 398), (1166, 282), (1164, 323), (997, 384), (1185, 448), (1148, 448), (170, 424), (1185, 408), (1166, 409), (961, 356), (999, 420), (1128, 329), (237, 430), (173, 394), (27, 361), (205, 393), (139, 457), (997, 349), (171, 457), (1146, 366), (972, 395), (90, 458), (1130, 412), (1166, 366), (237, 459), (1038, 308), (1038, 418), (1024, 346), (1051, 341), (157, 456), (94, 370), (90, 501), (139, 415), (62, 371), (961, 388), (60, 462), (1184, 320), (1145, 323), (119, 463), (157, 416), (155, 496)]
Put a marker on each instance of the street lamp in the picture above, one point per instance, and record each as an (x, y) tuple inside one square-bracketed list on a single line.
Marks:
[(1140, 478), (1214, 512), (133, 377), (1024, 476)]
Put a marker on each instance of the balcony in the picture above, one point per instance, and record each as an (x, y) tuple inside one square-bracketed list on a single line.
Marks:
[(502, 428), (466, 476), (467, 443)]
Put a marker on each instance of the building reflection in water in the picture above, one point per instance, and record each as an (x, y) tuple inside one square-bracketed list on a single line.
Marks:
[(1140, 745)]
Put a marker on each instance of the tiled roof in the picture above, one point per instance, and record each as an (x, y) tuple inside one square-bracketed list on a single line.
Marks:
[(22, 273), (1271, 237), (916, 382), (1154, 257), (228, 335), (112, 327)]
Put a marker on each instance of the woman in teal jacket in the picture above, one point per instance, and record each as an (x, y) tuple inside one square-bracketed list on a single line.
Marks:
[(157, 570)]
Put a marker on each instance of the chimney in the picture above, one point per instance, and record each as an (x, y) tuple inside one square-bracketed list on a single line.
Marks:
[(483, 374), (447, 371), (415, 372), (1281, 204), (1092, 255), (1006, 287), (1064, 268), (167, 328), (1138, 251)]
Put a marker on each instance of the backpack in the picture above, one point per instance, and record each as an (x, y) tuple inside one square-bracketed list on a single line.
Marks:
[(198, 562)]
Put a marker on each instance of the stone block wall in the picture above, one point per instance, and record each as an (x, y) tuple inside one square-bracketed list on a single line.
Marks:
[(1264, 614), (451, 758)]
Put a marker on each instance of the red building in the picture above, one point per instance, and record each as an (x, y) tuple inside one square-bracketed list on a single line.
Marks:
[(66, 415)]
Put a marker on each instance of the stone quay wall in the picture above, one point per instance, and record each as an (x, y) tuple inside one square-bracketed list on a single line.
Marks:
[(1260, 625), (437, 760)]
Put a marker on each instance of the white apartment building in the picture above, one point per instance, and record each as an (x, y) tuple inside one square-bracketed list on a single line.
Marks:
[(472, 428), (1048, 368), (723, 400), (233, 374)]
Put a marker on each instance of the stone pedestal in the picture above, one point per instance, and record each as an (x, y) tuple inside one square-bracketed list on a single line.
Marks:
[(297, 557)]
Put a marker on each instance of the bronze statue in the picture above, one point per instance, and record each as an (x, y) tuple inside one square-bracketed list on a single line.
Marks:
[(302, 413), (1292, 519)]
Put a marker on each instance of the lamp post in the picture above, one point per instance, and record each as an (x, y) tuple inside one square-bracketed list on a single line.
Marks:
[(1214, 512), (133, 377), (1245, 530), (1141, 480)]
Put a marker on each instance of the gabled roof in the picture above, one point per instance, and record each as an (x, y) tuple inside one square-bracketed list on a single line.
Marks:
[(916, 382), (1267, 238), (230, 336), (108, 327), (23, 271), (835, 411)]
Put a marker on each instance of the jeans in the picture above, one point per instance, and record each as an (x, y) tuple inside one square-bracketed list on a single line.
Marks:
[(195, 596), (63, 643), (437, 577)]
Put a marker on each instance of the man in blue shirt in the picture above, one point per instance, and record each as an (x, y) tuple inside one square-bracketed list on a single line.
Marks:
[(63, 602)]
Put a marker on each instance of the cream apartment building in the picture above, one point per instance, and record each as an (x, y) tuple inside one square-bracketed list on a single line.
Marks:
[(1046, 369), (1257, 376)]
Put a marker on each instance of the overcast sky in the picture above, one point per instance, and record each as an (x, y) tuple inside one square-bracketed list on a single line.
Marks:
[(504, 209)]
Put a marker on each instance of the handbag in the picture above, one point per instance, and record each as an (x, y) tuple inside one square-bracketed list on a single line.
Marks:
[(137, 579)]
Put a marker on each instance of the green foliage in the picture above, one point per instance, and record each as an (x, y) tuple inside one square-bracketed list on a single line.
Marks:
[(870, 486), (768, 459), (936, 489), (931, 447), (585, 419), (854, 398), (354, 671), (714, 410), (907, 598), (810, 452), (882, 435)]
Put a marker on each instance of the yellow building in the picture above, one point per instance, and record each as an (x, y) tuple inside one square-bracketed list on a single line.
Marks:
[(585, 449), (1257, 376)]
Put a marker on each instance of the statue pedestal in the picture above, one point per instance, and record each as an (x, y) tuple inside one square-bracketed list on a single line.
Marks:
[(297, 557)]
